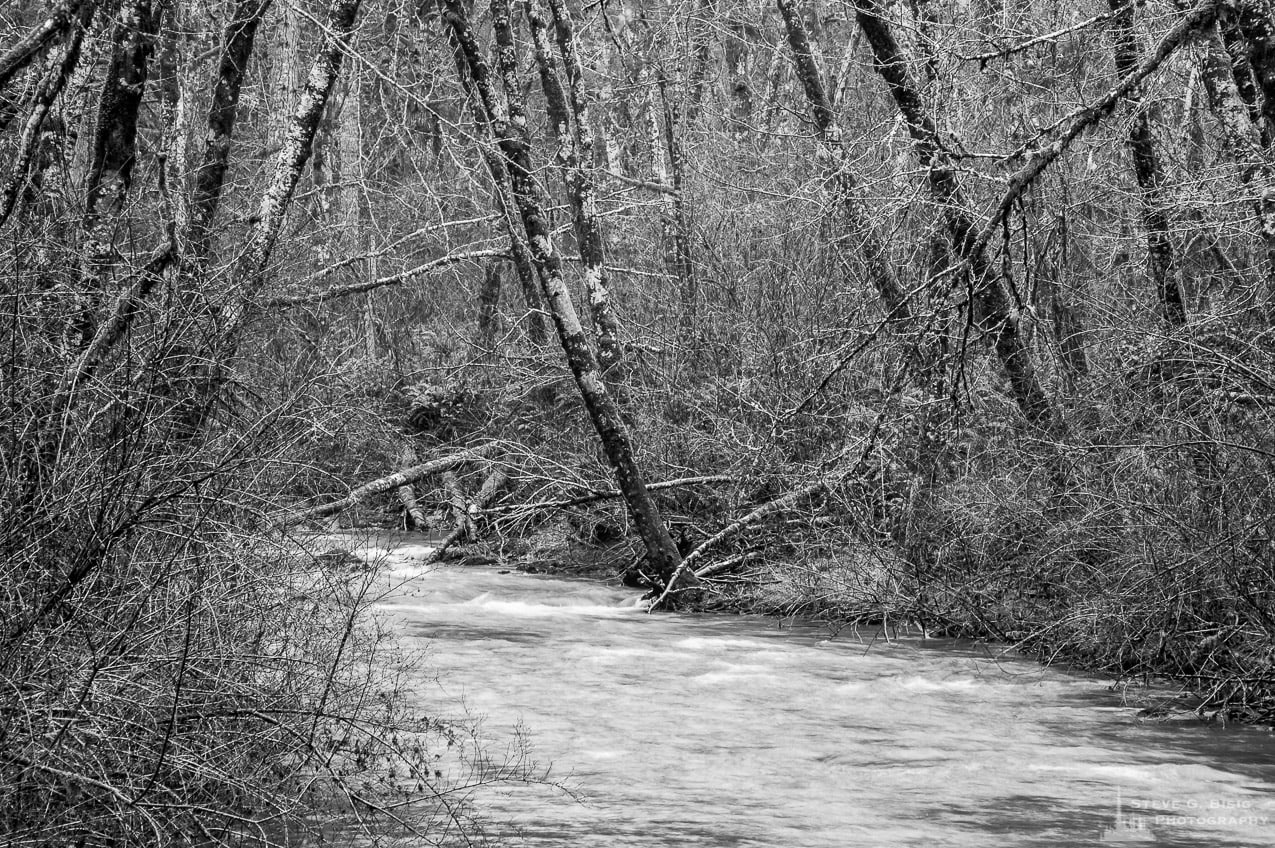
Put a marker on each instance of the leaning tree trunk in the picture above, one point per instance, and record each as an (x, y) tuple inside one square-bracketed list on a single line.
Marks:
[(575, 158), (519, 253), (248, 273), (27, 48), (662, 554), (57, 72), (995, 310), (1146, 168), (875, 254)]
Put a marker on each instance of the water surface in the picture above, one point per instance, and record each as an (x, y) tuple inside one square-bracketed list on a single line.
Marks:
[(685, 730)]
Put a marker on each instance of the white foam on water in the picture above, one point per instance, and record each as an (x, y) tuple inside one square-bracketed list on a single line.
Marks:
[(721, 731)]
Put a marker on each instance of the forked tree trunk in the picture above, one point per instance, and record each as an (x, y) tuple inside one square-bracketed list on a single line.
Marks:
[(248, 273), (57, 71), (1152, 207), (28, 48), (996, 311), (574, 137), (662, 554)]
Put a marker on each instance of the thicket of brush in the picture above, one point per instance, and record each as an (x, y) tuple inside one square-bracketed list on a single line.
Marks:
[(170, 674)]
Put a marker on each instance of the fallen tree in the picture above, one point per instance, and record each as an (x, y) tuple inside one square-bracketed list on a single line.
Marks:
[(391, 482), (465, 514)]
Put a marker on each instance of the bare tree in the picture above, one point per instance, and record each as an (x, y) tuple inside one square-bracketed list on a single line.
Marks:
[(661, 552), (996, 310), (571, 122), (236, 49), (1150, 175)]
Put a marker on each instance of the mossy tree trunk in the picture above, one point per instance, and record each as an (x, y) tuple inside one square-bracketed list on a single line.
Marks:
[(512, 141)]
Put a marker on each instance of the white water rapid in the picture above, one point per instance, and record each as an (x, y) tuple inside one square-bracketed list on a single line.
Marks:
[(686, 730)]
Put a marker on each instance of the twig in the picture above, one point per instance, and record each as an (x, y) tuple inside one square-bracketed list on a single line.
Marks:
[(1005, 52), (371, 285)]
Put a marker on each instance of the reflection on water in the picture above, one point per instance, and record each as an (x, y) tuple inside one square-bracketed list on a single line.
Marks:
[(733, 731)]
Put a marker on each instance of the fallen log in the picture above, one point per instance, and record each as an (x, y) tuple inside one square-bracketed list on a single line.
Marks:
[(733, 529), (407, 496), (394, 481), (467, 515), (594, 495), (832, 478), (462, 523)]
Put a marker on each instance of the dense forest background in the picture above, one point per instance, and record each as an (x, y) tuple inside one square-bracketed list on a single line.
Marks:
[(956, 312)]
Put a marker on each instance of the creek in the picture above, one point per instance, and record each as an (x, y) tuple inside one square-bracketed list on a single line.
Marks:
[(720, 730)]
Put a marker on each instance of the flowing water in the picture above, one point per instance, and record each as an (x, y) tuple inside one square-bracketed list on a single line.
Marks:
[(687, 730)]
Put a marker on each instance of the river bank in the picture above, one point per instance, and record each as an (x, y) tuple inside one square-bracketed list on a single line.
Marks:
[(747, 730)]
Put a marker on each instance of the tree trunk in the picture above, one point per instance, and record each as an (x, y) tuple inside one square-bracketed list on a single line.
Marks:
[(57, 72), (702, 25), (175, 97), (1256, 20), (678, 223), (488, 304), (1244, 141), (29, 46), (995, 310), (114, 152), (236, 50), (297, 147), (662, 554), (1150, 176), (875, 255), (248, 273), (575, 158), (391, 482)]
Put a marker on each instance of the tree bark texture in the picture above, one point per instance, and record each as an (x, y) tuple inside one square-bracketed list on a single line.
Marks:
[(29, 46), (575, 158), (662, 554), (875, 254), (57, 72), (236, 50), (1150, 176), (994, 308)]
